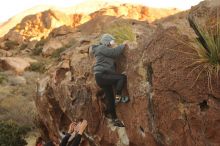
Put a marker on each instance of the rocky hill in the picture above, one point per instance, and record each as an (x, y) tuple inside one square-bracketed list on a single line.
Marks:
[(41, 23), (12, 22), (85, 8), (24, 36)]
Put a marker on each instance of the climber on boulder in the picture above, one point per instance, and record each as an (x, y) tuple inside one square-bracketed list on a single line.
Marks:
[(106, 76), (74, 134)]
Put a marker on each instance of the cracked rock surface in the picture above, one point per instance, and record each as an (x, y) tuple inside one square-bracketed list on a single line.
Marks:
[(168, 106)]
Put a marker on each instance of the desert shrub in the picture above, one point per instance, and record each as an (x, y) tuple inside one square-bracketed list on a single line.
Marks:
[(3, 78), (11, 44), (37, 51), (23, 46), (12, 134), (208, 49), (37, 67), (40, 43), (121, 32), (17, 101), (38, 47), (57, 52)]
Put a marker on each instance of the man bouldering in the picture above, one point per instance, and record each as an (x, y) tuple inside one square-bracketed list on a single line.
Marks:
[(106, 76)]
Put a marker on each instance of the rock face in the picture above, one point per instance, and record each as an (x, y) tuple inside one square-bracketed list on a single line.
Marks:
[(136, 12), (169, 106), (33, 28), (40, 25)]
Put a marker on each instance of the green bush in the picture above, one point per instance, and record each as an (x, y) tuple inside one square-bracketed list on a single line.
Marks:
[(12, 134), (11, 44), (23, 46), (37, 51), (122, 32), (3, 78), (209, 49), (37, 67), (39, 47), (40, 43), (56, 53)]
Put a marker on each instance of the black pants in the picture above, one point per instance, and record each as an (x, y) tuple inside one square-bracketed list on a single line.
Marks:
[(106, 81)]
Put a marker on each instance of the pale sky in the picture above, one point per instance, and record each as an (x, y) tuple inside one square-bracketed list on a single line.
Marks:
[(9, 8)]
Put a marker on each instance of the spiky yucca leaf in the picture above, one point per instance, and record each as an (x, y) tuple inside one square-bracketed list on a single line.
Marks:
[(208, 50)]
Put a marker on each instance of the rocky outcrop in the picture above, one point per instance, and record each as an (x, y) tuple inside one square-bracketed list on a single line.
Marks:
[(170, 104), (40, 25), (36, 26), (137, 12)]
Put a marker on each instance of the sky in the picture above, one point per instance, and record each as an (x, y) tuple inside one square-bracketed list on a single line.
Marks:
[(9, 8)]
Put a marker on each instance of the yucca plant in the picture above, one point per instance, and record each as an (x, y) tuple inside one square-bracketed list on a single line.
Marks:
[(122, 32), (208, 49)]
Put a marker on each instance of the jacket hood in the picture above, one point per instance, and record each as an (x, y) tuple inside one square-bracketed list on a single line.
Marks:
[(93, 48)]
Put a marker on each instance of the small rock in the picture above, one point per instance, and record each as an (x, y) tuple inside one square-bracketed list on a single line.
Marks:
[(51, 46)]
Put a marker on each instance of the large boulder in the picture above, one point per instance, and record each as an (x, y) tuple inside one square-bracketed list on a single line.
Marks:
[(170, 104), (16, 64), (51, 46)]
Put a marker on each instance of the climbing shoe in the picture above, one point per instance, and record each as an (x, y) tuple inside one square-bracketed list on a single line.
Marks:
[(122, 99), (118, 123), (117, 99)]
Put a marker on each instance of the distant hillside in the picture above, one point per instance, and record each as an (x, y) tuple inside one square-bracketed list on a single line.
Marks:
[(84, 8), (12, 22)]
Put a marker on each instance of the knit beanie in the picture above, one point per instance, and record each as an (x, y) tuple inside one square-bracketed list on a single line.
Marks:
[(106, 39)]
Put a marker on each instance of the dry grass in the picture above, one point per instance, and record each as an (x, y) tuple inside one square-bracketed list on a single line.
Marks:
[(56, 53), (122, 32), (37, 67), (16, 101), (18, 109)]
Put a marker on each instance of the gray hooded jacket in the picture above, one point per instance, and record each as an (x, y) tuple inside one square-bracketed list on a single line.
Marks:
[(105, 58)]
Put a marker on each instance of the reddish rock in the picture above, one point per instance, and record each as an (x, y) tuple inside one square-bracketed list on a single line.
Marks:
[(168, 106)]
